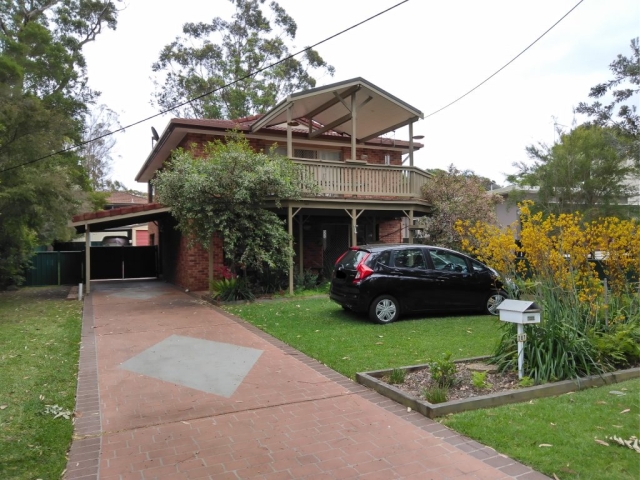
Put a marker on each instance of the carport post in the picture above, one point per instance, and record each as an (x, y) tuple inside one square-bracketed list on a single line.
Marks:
[(87, 259), (290, 228)]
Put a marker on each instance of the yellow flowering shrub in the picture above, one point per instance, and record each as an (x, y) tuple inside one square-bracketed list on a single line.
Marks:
[(558, 249), (585, 330)]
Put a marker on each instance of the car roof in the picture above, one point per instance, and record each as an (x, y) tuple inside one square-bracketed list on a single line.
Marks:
[(378, 247)]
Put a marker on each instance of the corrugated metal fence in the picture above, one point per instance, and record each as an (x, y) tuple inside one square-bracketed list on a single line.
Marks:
[(56, 268), (67, 267)]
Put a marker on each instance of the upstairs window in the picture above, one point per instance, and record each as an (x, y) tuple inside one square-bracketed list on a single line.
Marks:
[(310, 154)]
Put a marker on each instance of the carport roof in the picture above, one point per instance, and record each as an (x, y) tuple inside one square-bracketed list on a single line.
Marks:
[(118, 217)]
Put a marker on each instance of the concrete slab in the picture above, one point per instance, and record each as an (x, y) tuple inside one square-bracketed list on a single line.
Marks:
[(205, 365)]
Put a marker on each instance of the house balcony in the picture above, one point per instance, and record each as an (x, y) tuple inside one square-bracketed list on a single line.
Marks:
[(362, 180)]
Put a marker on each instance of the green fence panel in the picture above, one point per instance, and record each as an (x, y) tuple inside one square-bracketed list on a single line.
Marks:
[(55, 268), (44, 269)]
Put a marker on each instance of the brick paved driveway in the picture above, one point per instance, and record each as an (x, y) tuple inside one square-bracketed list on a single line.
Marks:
[(281, 415)]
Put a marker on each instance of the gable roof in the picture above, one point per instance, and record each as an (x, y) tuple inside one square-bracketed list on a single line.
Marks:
[(377, 111)]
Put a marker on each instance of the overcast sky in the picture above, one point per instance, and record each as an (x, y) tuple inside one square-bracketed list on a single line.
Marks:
[(425, 52)]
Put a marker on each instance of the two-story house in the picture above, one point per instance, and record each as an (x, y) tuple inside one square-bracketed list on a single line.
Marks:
[(368, 184)]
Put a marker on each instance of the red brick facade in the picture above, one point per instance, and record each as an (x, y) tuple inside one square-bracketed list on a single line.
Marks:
[(192, 264), (190, 267), (195, 143), (390, 231)]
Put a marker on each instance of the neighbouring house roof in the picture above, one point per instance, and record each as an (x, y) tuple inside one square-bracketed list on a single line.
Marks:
[(322, 109), (504, 191), (125, 198)]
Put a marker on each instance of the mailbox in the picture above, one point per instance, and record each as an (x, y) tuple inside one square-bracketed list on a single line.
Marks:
[(519, 311)]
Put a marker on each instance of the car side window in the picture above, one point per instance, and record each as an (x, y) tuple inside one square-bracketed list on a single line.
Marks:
[(477, 266), (409, 258), (384, 258), (448, 262)]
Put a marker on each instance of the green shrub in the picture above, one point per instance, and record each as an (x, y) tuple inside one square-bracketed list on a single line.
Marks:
[(435, 394), (397, 376), (479, 380), (230, 289), (526, 382), (307, 281), (556, 349), (620, 346), (443, 371)]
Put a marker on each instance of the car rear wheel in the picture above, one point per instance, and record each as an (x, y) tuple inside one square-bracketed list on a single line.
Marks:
[(384, 309), (494, 300)]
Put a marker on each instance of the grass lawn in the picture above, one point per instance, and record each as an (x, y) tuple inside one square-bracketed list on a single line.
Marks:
[(570, 424), (39, 336), (350, 343)]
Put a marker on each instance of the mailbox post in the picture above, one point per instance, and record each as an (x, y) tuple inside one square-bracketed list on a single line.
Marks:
[(520, 312)]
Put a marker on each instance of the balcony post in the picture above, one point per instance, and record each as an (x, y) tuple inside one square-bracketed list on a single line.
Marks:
[(354, 121), (411, 226), (354, 228), (290, 228), (289, 134)]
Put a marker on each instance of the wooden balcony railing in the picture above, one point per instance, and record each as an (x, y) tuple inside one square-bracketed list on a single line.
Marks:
[(347, 179)]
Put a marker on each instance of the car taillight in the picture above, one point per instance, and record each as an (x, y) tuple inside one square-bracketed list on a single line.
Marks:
[(363, 270), (341, 256)]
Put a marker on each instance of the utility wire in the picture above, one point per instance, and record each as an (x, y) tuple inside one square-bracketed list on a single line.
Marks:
[(249, 75), (506, 64)]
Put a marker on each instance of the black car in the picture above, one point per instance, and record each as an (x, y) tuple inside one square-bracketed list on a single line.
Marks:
[(389, 280)]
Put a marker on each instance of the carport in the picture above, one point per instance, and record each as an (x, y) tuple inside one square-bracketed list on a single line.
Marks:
[(119, 217)]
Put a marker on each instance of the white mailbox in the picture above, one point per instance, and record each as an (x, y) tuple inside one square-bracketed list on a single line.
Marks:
[(519, 311)]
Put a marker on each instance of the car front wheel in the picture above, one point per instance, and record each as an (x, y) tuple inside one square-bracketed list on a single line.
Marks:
[(494, 300), (384, 309)]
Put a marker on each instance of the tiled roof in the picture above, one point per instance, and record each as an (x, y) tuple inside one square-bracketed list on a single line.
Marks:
[(116, 212), (125, 197)]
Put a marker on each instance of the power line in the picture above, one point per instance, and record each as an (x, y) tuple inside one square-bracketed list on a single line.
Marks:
[(173, 107), (506, 64)]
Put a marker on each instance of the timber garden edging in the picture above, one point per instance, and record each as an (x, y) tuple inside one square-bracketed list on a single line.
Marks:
[(374, 381)]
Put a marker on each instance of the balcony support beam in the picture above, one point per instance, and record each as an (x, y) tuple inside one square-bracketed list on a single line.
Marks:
[(354, 224), (290, 215), (354, 123), (332, 102), (289, 134), (331, 125), (411, 144)]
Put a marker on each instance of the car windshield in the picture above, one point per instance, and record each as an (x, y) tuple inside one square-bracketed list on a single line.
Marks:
[(352, 259)]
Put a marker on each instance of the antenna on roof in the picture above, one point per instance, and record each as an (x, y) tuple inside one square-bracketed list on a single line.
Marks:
[(154, 136)]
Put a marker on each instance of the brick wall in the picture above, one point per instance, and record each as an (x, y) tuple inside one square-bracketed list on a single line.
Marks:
[(375, 157), (311, 247), (192, 269), (390, 231), (196, 141)]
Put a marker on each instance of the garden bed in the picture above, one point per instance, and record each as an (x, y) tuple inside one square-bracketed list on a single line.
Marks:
[(464, 396)]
